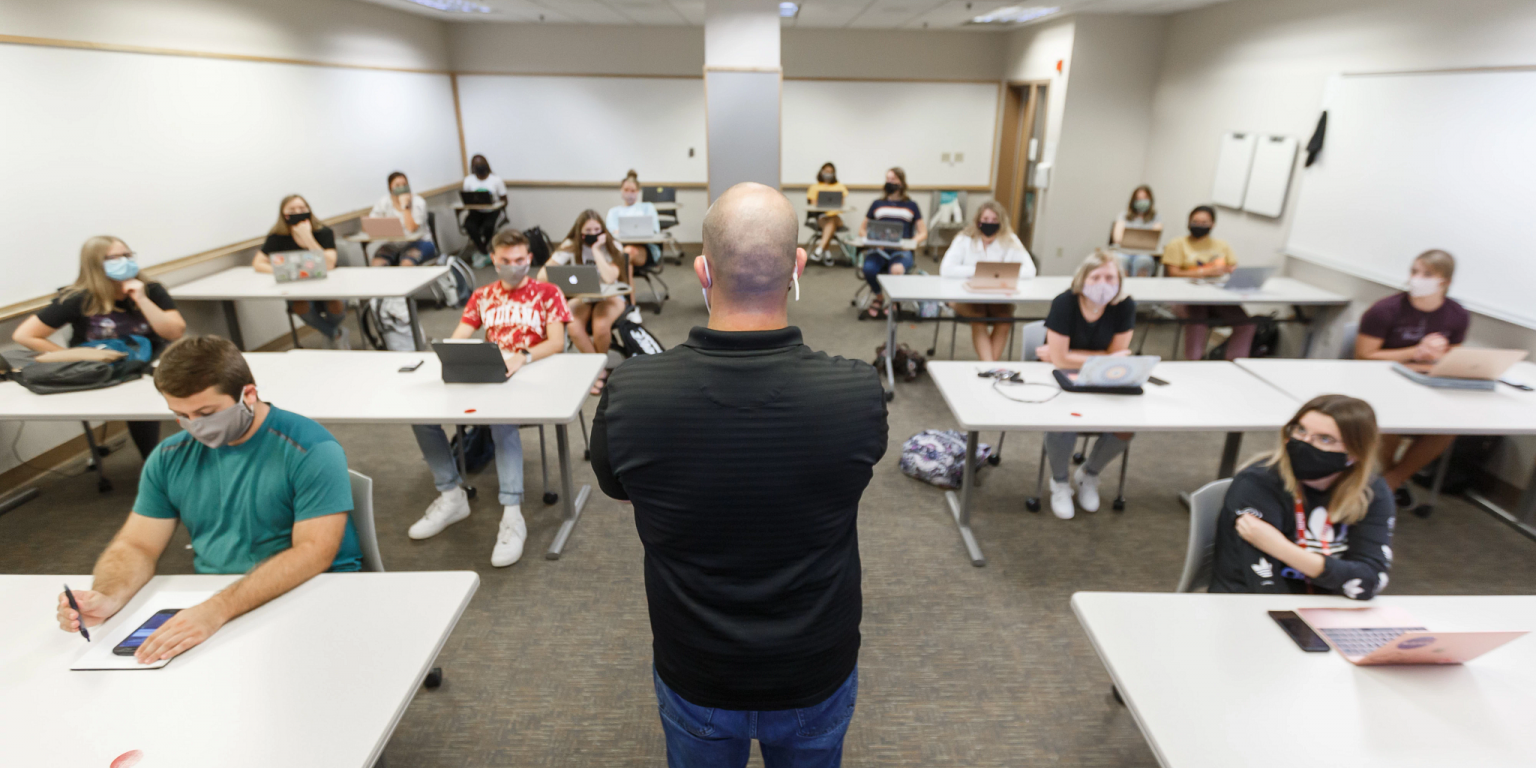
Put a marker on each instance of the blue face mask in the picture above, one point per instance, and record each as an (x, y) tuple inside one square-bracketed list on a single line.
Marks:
[(121, 269)]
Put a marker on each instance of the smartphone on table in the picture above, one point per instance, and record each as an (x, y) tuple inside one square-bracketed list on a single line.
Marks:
[(130, 644), (1300, 632)]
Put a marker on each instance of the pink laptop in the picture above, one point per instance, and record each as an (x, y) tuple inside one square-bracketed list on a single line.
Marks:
[(383, 226), (1391, 635)]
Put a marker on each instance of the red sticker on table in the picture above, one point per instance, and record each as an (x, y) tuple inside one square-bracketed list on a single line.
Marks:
[(128, 759), (469, 410), (1079, 415)]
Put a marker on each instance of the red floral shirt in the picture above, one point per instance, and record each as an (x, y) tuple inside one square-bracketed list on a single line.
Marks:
[(516, 318)]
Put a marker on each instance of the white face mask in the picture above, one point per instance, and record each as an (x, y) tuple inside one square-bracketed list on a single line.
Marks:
[(1100, 293), (1419, 287)]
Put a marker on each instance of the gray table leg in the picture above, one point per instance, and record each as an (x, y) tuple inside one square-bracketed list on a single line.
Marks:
[(960, 507), (410, 306), (232, 320), (14, 500), (1229, 455), (1424, 510), (890, 350), (574, 502)]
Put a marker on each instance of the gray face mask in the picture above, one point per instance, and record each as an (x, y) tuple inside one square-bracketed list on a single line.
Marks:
[(512, 274), (216, 430)]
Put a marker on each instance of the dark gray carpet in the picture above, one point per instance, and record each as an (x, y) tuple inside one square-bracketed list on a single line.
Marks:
[(961, 666)]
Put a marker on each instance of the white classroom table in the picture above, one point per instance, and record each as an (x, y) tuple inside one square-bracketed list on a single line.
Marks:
[(1213, 682), (1145, 290), (1405, 408), (1201, 396), (341, 283), (343, 387), (319, 677)]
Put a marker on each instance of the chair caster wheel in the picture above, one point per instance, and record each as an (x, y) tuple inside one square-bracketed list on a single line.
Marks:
[(1115, 692), (890, 395), (1423, 510), (434, 678), (469, 491), (102, 450), (586, 455), (931, 350), (995, 459), (1032, 504), (853, 303), (103, 486), (551, 497), (1078, 458), (1118, 505)]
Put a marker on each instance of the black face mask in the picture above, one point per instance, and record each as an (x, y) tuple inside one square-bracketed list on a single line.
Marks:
[(1198, 232), (1308, 462), (989, 229), (295, 218), (480, 170), (589, 239), (892, 188)]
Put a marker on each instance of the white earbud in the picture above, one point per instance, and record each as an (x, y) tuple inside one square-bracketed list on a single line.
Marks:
[(705, 290), (795, 275)]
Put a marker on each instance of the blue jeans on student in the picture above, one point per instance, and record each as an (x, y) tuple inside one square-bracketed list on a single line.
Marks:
[(445, 470), (321, 319), (407, 254), (1137, 264), (879, 261), (706, 737)]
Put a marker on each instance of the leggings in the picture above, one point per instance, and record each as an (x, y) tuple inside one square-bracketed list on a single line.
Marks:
[(1058, 448), (145, 434), (481, 226)]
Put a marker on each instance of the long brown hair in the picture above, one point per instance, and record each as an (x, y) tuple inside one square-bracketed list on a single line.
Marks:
[(1351, 496), (1130, 206), (573, 242), (900, 174), (972, 229), (98, 290), (282, 228)]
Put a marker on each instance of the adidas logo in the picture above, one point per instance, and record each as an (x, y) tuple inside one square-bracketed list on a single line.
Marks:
[(1263, 568)]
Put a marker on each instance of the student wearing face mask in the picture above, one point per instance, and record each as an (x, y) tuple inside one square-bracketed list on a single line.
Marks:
[(893, 206), (1094, 317), (1415, 328), (1310, 517), (1139, 213), (298, 230), (987, 238), (826, 181), (589, 242), (262, 491), (108, 300), (1200, 255), (411, 210), (481, 225), (629, 192), (526, 319)]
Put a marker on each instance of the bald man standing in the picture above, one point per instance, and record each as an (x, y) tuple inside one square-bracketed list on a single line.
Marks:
[(745, 453)]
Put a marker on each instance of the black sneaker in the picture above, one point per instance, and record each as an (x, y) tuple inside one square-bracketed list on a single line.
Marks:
[(1403, 496)]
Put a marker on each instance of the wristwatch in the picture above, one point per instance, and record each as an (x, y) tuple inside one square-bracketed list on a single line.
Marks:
[(527, 355)]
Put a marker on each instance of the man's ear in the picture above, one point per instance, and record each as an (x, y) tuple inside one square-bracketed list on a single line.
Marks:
[(701, 268), (799, 261)]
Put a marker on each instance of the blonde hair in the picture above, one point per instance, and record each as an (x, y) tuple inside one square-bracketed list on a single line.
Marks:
[(282, 228), (1351, 497), (1439, 262), (98, 290), (1097, 259), (973, 229), (573, 242), (631, 176)]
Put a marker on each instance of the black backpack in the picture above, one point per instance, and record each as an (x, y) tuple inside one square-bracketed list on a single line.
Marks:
[(78, 376), (538, 245)]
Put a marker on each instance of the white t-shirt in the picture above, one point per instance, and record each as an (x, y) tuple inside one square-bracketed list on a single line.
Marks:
[(965, 252), (491, 183), (385, 208), (640, 208)]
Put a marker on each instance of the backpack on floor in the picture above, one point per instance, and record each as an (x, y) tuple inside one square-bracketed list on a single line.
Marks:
[(631, 338), (538, 245), (479, 448), (909, 363), (1469, 454), (387, 325), (937, 457), (455, 286)]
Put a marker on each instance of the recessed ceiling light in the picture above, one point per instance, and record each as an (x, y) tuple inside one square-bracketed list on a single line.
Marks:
[(453, 6), (1013, 14), (789, 10)]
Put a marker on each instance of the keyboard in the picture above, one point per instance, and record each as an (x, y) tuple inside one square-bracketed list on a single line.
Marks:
[(1359, 641)]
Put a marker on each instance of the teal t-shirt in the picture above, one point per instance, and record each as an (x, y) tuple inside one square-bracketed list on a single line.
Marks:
[(240, 502)]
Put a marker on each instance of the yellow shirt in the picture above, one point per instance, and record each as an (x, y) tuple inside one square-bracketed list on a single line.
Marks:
[(1183, 253), (818, 187)]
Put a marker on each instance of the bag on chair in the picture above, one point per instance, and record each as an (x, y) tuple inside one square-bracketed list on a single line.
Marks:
[(631, 338), (538, 246), (455, 286), (937, 457), (909, 363), (394, 324)]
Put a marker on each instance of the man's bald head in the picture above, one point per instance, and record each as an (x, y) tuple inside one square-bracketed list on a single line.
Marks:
[(749, 240)]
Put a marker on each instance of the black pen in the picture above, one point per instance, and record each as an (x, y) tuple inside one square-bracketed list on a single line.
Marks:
[(1521, 387), (76, 606)]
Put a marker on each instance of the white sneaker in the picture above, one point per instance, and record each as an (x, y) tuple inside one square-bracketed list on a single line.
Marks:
[(448, 508), (509, 540), (1061, 499), (1087, 490)]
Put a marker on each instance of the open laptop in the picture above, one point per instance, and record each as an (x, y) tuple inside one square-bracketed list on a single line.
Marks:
[(1391, 635), (470, 361), (477, 197), (658, 195), (290, 266), (1464, 368), (1248, 279), (1134, 239), (829, 199), (884, 233), (582, 278), (994, 277), (384, 226), (631, 227)]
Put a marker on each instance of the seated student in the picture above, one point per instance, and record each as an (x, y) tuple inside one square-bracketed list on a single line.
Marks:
[(987, 238), (108, 301), (526, 319), (589, 242), (481, 225), (629, 192), (826, 181), (1140, 213), (894, 206), (263, 492), (1311, 516), (298, 230), (1093, 317), (1200, 255), (411, 210), (1415, 328)]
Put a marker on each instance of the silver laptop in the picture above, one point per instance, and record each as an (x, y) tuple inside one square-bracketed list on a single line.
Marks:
[(291, 266), (1248, 279), (1116, 371), (829, 199), (635, 226), (884, 233), (571, 281)]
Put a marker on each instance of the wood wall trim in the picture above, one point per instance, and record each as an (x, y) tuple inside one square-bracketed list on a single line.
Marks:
[(32, 470), (601, 184), (913, 188), (458, 120), (730, 69), (487, 73), (49, 42)]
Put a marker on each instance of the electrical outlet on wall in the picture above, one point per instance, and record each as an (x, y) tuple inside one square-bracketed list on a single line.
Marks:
[(944, 158), (959, 157)]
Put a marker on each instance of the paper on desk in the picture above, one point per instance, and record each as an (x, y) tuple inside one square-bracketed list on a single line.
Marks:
[(100, 656)]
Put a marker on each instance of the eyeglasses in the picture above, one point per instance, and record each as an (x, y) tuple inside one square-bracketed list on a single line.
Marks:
[(1318, 440)]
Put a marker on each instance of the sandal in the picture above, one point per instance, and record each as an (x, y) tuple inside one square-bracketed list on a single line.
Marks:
[(602, 381), (876, 309)]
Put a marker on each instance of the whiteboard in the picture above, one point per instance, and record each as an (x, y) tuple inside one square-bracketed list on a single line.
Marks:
[(866, 127), (1438, 160), (1232, 164), (586, 129), (180, 155), (1273, 160)]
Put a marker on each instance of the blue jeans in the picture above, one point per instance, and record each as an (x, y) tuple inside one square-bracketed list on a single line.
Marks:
[(705, 737), (1137, 264), (407, 254), (321, 319), (445, 471), (879, 261)]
